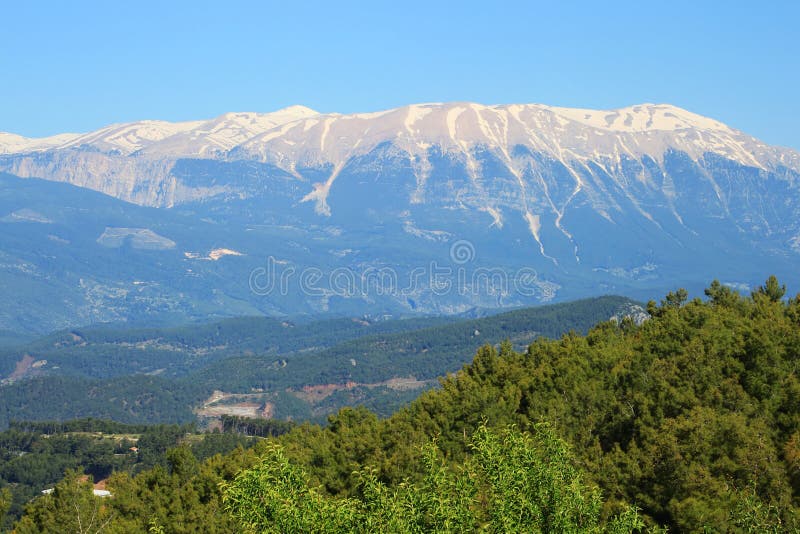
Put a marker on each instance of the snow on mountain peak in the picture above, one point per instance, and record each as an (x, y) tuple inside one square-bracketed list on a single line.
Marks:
[(214, 137), (298, 131), (639, 118), (260, 121), (571, 136), (15, 144), (156, 138), (564, 133)]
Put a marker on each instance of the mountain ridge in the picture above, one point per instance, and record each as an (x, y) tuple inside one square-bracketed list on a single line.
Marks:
[(634, 118), (134, 161)]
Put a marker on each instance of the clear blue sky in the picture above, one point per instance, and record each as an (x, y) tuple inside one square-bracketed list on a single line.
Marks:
[(76, 66)]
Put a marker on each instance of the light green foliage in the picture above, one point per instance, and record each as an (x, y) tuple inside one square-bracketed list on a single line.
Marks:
[(513, 482), (532, 484), (752, 515), (5, 502), (275, 496), (71, 507)]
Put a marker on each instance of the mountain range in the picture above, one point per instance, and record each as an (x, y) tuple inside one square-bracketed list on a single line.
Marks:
[(429, 208)]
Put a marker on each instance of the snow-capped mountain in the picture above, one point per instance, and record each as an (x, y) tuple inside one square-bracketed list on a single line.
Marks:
[(565, 134), (193, 139), (596, 201), (141, 153), (17, 144), (519, 149), (133, 161)]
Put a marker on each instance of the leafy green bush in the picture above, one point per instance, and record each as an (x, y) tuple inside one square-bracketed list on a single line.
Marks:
[(512, 482)]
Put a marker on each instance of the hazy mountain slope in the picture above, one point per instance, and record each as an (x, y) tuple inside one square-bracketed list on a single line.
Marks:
[(72, 256)]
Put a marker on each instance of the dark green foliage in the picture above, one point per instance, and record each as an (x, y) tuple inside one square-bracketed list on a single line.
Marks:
[(71, 507), (432, 352), (154, 444), (89, 424), (772, 290), (220, 443), (31, 461), (677, 416), (35, 455), (255, 427), (130, 399), (106, 352)]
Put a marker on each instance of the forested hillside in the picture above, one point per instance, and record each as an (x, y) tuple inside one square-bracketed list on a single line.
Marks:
[(692, 417), (264, 365)]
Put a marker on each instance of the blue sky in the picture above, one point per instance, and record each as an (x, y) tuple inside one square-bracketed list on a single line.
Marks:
[(76, 66)]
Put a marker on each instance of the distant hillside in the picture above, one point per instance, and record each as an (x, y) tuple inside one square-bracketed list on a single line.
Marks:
[(104, 352), (262, 367), (11, 339)]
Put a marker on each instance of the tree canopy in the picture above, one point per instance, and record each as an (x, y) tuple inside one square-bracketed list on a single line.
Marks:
[(690, 421)]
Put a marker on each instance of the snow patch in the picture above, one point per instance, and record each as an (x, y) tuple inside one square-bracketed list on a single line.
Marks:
[(320, 193), (535, 225), (497, 218), (218, 253), (430, 235), (414, 115), (214, 255)]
